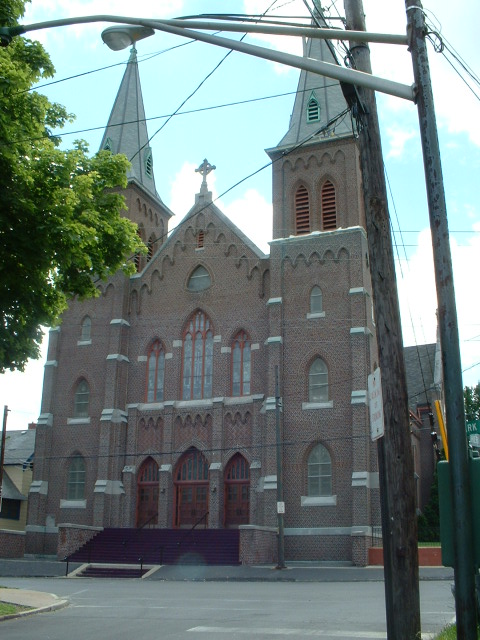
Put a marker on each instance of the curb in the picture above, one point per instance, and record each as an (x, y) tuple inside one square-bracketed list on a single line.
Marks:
[(54, 606)]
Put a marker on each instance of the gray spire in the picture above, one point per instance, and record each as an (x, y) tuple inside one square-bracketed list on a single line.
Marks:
[(126, 130), (318, 101)]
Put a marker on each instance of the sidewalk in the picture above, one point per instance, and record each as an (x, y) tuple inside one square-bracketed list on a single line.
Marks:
[(37, 601)]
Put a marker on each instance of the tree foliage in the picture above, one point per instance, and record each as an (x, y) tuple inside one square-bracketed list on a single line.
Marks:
[(471, 397), (61, 227)]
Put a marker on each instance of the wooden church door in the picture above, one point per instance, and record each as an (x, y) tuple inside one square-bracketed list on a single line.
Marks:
[(237, 492), (147, 494), (191, 490)]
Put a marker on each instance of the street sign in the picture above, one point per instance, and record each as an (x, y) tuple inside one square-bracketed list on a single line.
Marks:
[(375, 404), (473, 432)]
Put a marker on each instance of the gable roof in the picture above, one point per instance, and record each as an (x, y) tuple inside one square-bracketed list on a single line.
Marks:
[(19, 447)]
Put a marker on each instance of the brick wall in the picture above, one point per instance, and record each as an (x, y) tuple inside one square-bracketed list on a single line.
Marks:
[(12, 544), (71, 538), (258, 545)]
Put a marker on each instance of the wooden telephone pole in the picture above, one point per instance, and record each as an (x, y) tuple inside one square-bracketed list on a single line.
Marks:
[(395, 459)]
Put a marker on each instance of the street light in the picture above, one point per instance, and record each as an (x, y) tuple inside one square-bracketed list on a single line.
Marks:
[(121, 37)]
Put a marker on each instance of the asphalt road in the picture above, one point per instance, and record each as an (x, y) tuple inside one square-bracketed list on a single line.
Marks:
[(129, 609)]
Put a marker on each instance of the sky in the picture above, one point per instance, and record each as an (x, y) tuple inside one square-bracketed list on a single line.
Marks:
[(233, 107)]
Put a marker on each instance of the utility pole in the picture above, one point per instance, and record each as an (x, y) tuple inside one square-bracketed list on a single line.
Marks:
[(395, 459), (464, 568), (280, 503), (2, 453)]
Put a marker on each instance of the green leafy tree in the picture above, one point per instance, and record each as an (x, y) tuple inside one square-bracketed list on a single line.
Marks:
[(471, 396), (61, 223)]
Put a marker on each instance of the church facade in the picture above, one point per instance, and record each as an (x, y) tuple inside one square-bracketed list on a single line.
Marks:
[(173, 398)]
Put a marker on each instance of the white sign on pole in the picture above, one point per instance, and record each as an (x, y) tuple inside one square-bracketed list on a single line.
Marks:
[(375, 404), (280, 507)]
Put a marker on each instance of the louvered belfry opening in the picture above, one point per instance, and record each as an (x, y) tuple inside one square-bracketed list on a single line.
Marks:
[(302, 211), (329, 207)]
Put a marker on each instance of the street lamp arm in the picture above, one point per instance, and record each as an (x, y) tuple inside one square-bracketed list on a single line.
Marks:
[(327, 69)]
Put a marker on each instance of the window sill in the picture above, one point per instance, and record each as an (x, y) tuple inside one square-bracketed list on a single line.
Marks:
[(317, 405), (312, 316), (80, 343), (318, 501), (73, 504), (78, 420)]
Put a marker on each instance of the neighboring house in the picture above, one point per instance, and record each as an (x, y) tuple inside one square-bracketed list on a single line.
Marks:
[(424, 383), (17, 478), (159, 400)]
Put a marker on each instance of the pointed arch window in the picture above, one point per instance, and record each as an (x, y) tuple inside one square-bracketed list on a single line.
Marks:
[(329, 207), (241, 365), (82, 399), (156, 372), (197, 359), (148, 159), (302, 210), (150, 247), (108, 146), (319, 472), (137, 259), (86, 333), (76, 479), (318, 381), (313, 109), (316, 300), (199, 279)]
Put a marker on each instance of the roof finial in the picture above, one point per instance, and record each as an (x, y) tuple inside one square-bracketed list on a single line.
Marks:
[(205, 169)]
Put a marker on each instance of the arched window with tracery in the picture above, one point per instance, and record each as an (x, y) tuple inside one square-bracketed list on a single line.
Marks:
[(318, 381), (197, 358), (156, 372), (81, 400), (237, 492), (319, 472), (241, 365), (316, 300), (86, 333), (76, 479), (329, 207), (302, 211)]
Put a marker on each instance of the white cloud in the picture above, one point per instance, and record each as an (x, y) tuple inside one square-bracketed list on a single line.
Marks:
[(253, 215), (418, 298), (397, 139)]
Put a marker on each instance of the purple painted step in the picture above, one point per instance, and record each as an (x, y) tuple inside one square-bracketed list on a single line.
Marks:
[(161, 546)]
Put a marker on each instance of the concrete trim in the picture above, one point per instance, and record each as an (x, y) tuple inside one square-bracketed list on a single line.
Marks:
[(307, 406), (73, 504), (318, 501)]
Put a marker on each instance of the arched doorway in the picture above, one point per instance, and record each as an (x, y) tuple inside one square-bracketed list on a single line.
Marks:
[(147, 494), (191, 490), (237, 492)]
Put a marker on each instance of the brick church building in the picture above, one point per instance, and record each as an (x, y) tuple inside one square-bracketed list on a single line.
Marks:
[(160, 402)]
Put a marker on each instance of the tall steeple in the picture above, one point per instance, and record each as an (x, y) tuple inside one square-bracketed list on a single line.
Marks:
[(126, 130), (318, 101)]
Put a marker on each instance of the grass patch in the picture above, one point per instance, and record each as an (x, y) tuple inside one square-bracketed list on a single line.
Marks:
[(429, 544), (8, 609), (450, 633)]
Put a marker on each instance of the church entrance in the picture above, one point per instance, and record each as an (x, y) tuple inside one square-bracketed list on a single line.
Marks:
[(237, 492), (147, 494), (191, 490)]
